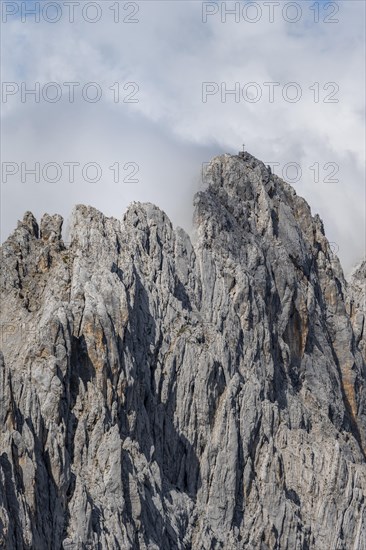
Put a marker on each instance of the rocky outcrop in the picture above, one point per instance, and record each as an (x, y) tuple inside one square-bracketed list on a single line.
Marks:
[(161, 394), (357, 304)]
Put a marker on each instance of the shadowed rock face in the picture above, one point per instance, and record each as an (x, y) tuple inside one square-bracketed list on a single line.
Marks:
[(159, 394)]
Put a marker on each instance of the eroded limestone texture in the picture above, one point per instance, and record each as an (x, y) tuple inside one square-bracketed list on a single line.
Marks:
[(159, 394)]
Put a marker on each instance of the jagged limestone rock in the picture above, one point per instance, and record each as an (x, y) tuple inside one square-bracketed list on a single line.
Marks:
[(357, 305), (159, 394)]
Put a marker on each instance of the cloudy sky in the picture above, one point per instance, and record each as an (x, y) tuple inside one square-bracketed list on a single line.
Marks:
[(130, 98)]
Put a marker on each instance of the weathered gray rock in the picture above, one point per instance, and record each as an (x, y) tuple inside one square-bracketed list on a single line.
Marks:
[(357, 305), (161, 394)]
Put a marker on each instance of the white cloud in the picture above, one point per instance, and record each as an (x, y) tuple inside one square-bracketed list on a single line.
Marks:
[(169, 53)]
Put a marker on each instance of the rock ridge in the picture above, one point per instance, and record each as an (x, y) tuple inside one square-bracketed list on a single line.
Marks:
[(159, 392)]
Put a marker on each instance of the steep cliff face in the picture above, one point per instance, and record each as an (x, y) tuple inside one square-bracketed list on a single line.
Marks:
[(159, 394), (357, 305)]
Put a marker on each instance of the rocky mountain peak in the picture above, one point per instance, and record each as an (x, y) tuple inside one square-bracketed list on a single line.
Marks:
[(163, 393)]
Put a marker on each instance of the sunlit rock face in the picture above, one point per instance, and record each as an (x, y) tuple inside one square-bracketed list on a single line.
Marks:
[(161, 394)]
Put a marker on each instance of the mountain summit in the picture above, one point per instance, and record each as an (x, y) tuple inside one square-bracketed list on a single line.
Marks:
[(162, 394)]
